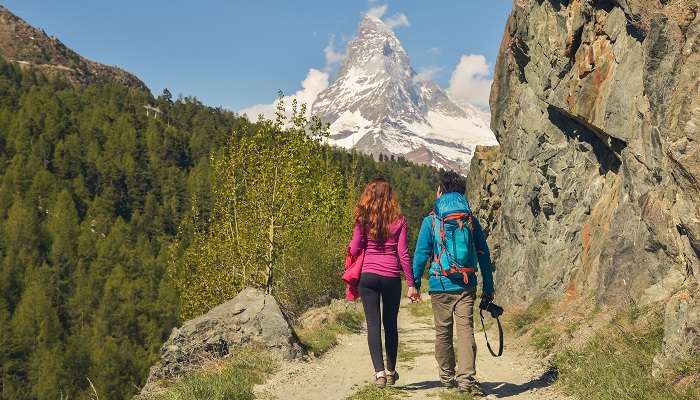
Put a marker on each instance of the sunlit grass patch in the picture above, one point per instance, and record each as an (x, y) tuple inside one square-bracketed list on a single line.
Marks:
[(421, 309), (372, 392), (454, 395), (520, 321), (616, 364), (322, 339), (407, 353), (234, 379), (543, 338)]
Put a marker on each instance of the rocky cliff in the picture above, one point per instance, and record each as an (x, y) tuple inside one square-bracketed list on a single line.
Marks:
[(27, 46), (592, 196)]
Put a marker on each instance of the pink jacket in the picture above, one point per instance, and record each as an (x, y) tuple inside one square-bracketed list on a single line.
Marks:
[(385, 259)]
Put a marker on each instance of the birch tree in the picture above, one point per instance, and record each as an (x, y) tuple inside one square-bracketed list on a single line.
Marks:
[(277, 201)]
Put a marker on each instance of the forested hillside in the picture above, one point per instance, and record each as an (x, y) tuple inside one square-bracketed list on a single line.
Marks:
[(99, 202)]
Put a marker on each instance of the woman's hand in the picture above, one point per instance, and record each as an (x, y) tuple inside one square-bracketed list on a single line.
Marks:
[(413, 294)]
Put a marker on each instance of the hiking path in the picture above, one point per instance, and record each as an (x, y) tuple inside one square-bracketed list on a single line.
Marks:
[(342, 371)]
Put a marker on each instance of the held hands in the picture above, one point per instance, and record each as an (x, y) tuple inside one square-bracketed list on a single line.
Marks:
[(413, 294)]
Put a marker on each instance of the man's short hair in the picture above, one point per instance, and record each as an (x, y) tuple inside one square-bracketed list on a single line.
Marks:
[(451, 181)]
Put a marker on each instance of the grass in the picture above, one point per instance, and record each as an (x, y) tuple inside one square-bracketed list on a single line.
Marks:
[(371, 392), (421, 309), (454, 395), (234, 379), (407, 353), (519, 322), (543, 338), (616, 365), (690, 367), (318, 341)]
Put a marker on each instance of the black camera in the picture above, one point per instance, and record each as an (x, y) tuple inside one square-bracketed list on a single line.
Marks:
[(491, 307)]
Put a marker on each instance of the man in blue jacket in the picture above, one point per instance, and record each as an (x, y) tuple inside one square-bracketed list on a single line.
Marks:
[(453, 296)]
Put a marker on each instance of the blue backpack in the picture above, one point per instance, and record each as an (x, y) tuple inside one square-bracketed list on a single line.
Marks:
[(455, 257)]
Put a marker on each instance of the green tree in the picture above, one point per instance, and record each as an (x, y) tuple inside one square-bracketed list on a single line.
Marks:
[(272, 192)]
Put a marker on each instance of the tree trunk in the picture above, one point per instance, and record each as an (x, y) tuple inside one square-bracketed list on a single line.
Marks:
[(270, 254)]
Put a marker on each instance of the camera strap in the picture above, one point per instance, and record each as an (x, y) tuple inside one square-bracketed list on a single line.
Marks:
[(500, 336)]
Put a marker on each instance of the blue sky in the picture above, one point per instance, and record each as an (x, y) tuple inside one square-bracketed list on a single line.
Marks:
[(239, 53)]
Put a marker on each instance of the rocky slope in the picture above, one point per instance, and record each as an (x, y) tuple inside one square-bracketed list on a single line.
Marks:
[(378, 104), (25, 45), (592, 196)]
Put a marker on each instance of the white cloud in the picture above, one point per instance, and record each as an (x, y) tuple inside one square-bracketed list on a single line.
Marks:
[(434, 50), (427, 74), (398, 20), (333, 57), (470, 81), (315, 82), (378, 11)]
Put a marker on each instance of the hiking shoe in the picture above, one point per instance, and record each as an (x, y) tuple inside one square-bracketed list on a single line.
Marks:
[(448, 383), (471, 387), (391, 378), (380, 380)]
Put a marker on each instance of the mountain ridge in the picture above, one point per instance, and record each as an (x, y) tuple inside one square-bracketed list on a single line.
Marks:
[(27, 46)]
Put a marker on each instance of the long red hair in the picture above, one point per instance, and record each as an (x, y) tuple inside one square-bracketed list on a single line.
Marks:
[(377, 208)]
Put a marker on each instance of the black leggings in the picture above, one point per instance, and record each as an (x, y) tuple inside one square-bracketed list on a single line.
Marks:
[(372, 287)]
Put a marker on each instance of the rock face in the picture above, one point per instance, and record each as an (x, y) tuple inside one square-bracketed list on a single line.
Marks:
[(378, 104), (252, 317), (593, 193), (25, 45)]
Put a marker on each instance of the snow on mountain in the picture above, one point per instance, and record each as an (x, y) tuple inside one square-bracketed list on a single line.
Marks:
[(378, 104)]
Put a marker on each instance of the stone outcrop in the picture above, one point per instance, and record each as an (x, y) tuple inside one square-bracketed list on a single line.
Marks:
[(251, 318), (593, 194)]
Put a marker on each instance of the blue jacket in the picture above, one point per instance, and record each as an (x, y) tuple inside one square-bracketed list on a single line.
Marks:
[(426, 248)]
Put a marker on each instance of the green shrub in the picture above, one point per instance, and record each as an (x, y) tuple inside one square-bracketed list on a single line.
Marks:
[(234, 381)]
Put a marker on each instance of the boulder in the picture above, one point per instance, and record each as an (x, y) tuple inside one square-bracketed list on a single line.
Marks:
[(251, 318), (681, 331)]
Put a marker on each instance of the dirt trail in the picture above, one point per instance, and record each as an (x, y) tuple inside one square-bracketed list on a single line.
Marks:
[(346, 368)]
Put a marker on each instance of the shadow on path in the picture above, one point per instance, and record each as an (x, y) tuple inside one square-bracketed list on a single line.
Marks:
[(505, 389), (421, 385)]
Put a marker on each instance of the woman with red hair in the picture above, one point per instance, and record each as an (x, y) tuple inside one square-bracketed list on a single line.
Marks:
[(380, 230)]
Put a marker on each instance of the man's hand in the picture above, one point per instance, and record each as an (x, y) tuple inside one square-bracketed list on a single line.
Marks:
[(489, 296), (413, 294)]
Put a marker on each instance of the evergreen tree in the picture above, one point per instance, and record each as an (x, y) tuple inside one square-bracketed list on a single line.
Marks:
[(93, 194)]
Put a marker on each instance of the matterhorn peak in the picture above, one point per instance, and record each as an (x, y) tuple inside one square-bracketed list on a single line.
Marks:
[(378, 106)]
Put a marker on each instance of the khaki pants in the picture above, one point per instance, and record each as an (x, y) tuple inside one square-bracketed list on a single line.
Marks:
[(455, 309)]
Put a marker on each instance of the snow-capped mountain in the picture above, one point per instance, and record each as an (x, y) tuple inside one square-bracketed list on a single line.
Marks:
[(378, 104)]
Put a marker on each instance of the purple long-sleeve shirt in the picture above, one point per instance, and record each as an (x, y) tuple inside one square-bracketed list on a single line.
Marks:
[(384, 259)]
